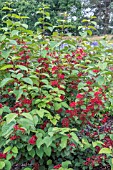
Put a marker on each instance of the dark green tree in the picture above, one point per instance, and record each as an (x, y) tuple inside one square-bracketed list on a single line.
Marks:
[(56, 10)]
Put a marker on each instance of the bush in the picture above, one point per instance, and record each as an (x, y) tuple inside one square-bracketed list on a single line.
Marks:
[(56, 96)]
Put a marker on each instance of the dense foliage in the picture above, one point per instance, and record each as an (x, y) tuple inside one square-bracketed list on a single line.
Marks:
[(58, 10), (56, 98)]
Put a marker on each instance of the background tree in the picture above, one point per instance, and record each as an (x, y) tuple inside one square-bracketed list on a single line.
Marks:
[(56, 10), (72, 11), (103, 10)]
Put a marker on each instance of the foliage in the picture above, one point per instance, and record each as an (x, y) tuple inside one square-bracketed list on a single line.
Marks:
[(72, 11), (56, 96), (57, 10)]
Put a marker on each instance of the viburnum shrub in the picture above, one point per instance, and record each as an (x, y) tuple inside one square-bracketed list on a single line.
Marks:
[(56, 97)]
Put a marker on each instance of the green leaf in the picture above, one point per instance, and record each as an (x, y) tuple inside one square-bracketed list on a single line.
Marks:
[(102, 136), (37, 23), (29, 147), (6, 67), (50, 28), (102, 66), (47, 150), (91, 27), (40, 152), (45, 74), (57, 106), (111, 136), (66, 164), (2, 38), (10, 117), (16, 16), (14, 43), (47, 140), (7, 128), (26, 123), (45, 81), (4, 28), (18, 93), (105, 151), (75, 138), (83, 34), (81, 86), (7, 165), (35, 119), (100, 80), (25, 25), (15, 149), (27, 80), (5, 53), (83, 107), (2, 164), (5, 81), (62, 168), (6, 109), (19, 76), (57, 116), (53, 121), (80, 27), (7, 149), (57, 99), (63, 143), (9, 156), (89, 32), (14, 32), (41, 112), (64, 104), (27, 168), (29, 32), (32, 153), (55, 34), (86, 143), (111, 162), (1, 111), (49, 162), (94, 23), (7, 8), (22, 67), (39, 142), (85, 20), (24, 17), (28, 116), (97, 143)]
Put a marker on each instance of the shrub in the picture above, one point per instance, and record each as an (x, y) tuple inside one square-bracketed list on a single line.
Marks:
[(54, 101)]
